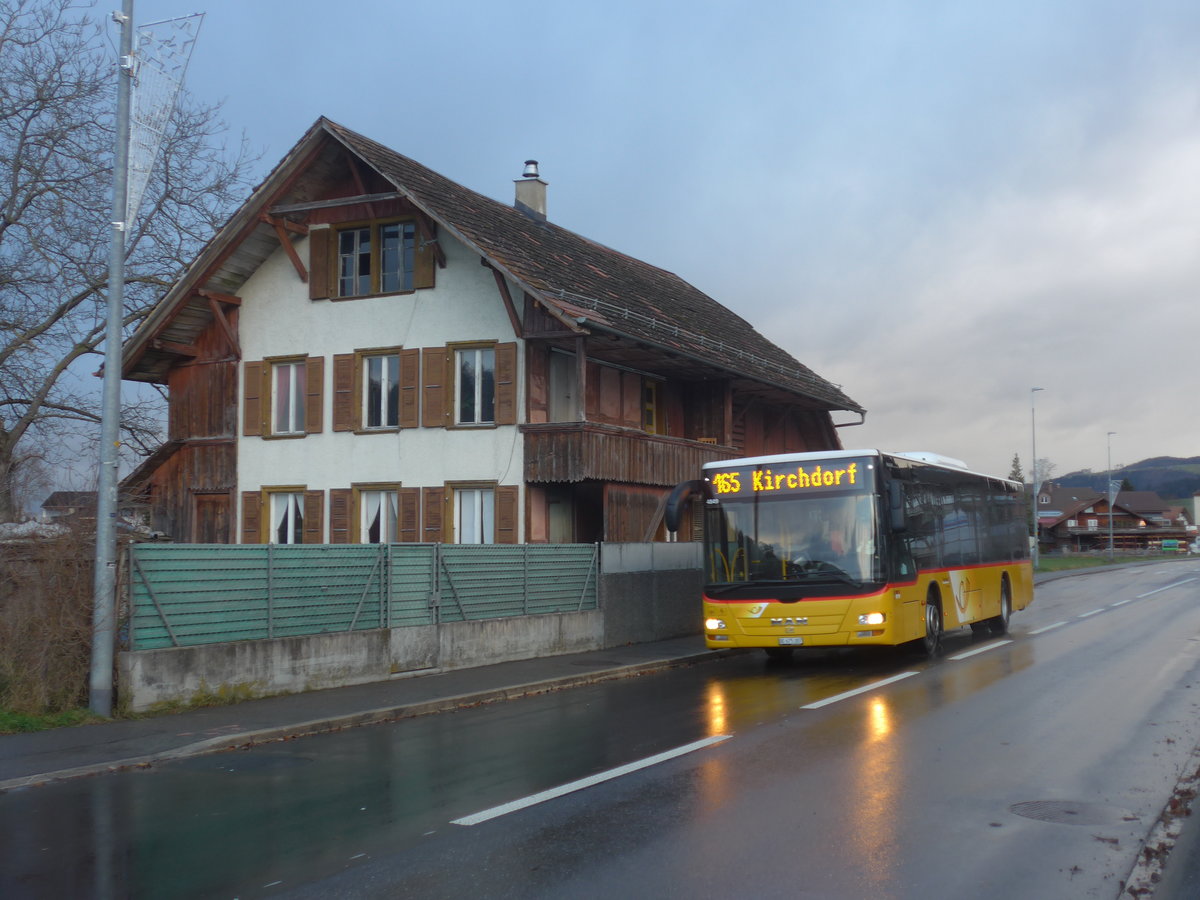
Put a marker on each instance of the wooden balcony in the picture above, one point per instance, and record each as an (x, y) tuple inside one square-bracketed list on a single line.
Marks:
[(588, 451)]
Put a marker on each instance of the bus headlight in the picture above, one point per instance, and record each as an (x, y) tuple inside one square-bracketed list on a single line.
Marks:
[(714, 624), (875, 618)]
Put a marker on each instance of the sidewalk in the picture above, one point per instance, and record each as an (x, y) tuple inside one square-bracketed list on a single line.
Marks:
[(27, 759)]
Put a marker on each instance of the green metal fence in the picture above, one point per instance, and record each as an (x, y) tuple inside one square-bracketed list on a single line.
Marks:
[(188, 594)]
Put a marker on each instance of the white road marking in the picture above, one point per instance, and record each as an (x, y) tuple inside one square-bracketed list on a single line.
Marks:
[(862, 690), (1046, 628), (598, 778), (1090, 612), (1167, 588), (983, 649), (1121, 603)]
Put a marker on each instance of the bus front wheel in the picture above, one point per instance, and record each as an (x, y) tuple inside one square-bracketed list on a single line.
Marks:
[(932, 642)]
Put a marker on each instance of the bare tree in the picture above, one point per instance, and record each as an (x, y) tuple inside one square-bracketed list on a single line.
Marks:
[(57, 106)]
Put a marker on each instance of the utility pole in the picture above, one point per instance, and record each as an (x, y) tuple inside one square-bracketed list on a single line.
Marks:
[(1033, 475), (104, 595)]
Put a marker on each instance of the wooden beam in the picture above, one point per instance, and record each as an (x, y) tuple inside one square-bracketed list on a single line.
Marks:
[(286, 242), (352, 160), (581, 378), (294, 227), (174, 347), (427, 236), (227, 299), (226, 328), (502, 285), (332, 204)]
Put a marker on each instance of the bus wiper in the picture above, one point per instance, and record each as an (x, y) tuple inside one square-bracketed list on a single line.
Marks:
[(819, 568)]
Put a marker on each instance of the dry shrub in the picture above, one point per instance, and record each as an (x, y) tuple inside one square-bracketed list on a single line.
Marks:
[(45, 623)]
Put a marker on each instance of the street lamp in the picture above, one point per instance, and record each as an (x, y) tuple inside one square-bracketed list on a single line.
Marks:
[(1034, 471), (1111, 497)]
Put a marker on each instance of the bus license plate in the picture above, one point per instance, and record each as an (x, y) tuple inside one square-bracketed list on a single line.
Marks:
[(791, 641)]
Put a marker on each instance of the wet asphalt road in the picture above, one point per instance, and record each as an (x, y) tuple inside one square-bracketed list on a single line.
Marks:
[(1028, 768)]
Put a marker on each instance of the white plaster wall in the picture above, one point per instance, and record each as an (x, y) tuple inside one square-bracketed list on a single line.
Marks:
[(278, 319)]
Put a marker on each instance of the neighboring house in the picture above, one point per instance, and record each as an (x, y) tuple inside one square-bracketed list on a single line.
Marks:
[(1077, 519), (368, 351), (67, 507)]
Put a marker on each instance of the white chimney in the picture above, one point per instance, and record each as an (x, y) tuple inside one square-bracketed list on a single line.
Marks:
[(531, 191)]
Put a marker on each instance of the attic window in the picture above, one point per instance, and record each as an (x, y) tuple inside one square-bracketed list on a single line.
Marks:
[(376, 259)]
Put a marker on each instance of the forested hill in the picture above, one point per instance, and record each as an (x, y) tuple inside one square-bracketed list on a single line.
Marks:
[(1170, 477)]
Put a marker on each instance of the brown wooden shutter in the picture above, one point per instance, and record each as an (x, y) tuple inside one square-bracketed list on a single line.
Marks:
[(314, 517), (408, 524), (507, 519), (344, 407), (341, 510), (410, 388), (435, 399), (506, 384), (314, 399), (631, 400), (252, 517), (423, 259), (434, 521), (320, 263), (252, 403)]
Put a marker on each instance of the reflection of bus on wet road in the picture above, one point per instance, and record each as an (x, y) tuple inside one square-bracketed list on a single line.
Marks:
[(856, 548)]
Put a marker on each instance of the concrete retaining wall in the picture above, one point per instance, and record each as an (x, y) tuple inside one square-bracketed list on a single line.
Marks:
[(648, 592)]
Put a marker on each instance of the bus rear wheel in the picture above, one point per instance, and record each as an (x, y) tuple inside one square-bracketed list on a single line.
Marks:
[(999, 624), (932, 642)]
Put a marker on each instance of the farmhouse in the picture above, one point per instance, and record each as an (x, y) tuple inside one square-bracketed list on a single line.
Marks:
[(370, 352)]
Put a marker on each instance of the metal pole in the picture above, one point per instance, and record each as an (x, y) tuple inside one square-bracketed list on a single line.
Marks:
[(1033, 474), (103, 597), (1111, 498)]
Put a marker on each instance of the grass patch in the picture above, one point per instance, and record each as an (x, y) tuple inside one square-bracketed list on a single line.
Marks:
[(1065, 563), (16, 722)]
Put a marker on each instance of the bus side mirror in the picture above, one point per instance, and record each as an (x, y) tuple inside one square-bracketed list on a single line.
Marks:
[(896, 506)]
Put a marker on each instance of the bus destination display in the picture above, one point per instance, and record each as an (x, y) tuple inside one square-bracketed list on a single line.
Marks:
[(841, 475)]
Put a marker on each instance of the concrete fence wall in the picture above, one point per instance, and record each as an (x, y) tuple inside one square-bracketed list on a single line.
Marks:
[(647, 592)]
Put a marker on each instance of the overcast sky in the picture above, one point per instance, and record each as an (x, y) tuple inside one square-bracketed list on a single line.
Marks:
[(936, 205)]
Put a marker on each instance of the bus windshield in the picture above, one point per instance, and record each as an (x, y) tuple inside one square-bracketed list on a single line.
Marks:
[(790, 538)]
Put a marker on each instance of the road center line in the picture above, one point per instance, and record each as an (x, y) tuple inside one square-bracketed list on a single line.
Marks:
[(862, 690), (983, 649), (1121, 603), (598, 778), (1167, 588), (1046, 628), (1090, 612)]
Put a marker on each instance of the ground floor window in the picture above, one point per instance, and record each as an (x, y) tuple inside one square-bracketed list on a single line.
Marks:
[(474, 516), (378, 512), (287, 518)]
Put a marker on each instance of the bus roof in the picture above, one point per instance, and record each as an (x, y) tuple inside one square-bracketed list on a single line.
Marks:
[(921, 456)]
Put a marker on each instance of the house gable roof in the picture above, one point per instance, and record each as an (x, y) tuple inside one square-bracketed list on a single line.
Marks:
[(584, 285)]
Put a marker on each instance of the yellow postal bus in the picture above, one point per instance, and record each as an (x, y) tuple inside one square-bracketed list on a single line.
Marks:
[(854, 548)]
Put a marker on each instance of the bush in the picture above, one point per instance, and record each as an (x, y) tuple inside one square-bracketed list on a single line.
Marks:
[(45, 623)]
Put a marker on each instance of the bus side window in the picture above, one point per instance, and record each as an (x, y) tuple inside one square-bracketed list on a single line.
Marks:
[(903, 566)]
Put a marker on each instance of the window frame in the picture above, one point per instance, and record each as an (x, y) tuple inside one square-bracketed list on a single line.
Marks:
[(358, 527), (457, 490), (297, 401), (269, 496), (457, 352), (363, 359), (375, 255)]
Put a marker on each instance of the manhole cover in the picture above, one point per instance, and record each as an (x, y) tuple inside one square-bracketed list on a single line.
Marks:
[(1072, 812)]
